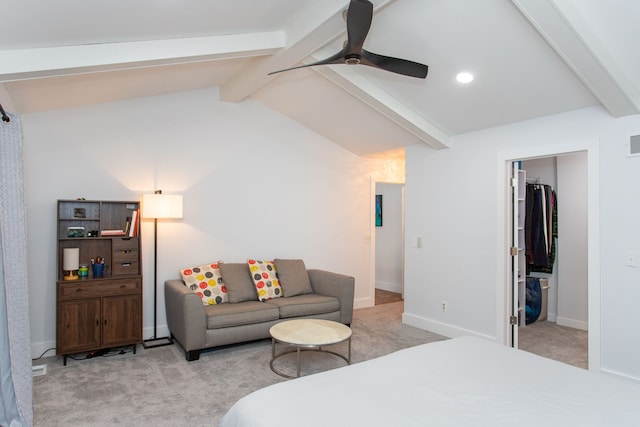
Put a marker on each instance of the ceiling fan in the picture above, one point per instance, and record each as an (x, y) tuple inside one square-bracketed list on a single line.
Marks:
[(359, 16)]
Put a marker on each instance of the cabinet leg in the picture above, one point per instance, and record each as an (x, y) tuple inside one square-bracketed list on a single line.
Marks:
[(134, 348), (64, 360)]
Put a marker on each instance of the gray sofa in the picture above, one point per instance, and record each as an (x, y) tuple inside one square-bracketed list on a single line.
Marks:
[(197, 327)]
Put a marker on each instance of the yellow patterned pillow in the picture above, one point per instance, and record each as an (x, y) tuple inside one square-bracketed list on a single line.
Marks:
[(206, 281), (265, 277)]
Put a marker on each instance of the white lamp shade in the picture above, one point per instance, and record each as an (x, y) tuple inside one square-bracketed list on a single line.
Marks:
[(70, 259), (161, 206)]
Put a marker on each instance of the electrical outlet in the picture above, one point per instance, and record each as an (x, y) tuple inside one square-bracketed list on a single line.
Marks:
[(444, 306), (631, 259)]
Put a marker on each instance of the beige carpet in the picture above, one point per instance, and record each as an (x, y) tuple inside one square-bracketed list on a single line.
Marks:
[(567, 345), (157, 387)]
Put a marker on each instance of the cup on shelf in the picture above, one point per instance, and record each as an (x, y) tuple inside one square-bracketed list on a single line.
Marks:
[(98, 269), (83, 271)]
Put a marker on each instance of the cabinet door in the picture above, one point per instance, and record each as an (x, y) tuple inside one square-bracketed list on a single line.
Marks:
[(78, 326), (121, 320)]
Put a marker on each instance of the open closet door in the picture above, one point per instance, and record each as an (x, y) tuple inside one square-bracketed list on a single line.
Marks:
[(517, 251)]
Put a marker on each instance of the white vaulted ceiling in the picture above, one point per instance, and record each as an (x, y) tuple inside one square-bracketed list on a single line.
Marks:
[(530, 58)]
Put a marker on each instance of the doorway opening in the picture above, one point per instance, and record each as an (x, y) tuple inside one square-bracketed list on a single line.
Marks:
[(506, 330), (552, 269), (389, 242)]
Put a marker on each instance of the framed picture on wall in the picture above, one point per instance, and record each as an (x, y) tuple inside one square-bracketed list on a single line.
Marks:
[(378, 210)]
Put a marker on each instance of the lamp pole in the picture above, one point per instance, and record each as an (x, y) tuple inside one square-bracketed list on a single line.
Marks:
[(156, 341)]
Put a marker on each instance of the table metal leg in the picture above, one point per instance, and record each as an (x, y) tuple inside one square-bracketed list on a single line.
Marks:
[(273, 349), (299, 349)]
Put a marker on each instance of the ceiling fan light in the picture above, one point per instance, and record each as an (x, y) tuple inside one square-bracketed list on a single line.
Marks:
[(464, 77)]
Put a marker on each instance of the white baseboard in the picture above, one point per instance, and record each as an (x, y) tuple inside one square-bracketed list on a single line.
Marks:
[(162, 331), (49, 346), (572, 323), (440, 328), (363, 303), (388, 286), (625, 377)]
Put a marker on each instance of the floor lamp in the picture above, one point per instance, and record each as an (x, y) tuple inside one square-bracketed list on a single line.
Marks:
[(158, 206)]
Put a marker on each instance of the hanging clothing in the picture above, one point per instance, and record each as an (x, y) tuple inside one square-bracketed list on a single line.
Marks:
[(541, 228), (553, 227)]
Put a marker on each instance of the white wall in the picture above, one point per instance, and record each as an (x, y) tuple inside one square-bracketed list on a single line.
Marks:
[(572, 292), (389, 239), (451, 198), (255, 184)]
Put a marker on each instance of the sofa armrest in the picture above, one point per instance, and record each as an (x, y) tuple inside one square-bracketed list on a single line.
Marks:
[(335, 285), (185, 315)]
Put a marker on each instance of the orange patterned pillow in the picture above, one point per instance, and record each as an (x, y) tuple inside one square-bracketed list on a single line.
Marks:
[(265, 277), (206, 281)]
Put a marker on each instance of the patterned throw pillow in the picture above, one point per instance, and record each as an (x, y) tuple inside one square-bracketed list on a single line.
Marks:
[(206, 281), (265, 277)]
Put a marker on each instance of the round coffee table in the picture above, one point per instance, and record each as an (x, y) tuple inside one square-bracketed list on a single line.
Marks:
[(308, 334)]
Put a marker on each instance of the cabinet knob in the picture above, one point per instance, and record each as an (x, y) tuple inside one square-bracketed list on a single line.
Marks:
[(79, 289)]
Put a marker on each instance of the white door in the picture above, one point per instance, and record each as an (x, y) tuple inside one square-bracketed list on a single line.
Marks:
[(517, 252)]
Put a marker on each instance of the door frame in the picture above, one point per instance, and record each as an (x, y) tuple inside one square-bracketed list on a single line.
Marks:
[(372, 236), (503, 282)]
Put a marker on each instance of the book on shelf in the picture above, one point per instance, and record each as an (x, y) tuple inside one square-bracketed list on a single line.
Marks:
[(112, 232), (133, 228), (127, 226)]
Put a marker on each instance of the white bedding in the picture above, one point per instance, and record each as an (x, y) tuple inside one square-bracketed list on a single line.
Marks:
[(459, 382)]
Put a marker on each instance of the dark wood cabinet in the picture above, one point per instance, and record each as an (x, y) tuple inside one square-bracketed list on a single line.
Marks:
[(98, 312), (121, 316), (78, 326)]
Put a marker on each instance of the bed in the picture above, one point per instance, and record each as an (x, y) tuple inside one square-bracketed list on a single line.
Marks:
[(459, 382)]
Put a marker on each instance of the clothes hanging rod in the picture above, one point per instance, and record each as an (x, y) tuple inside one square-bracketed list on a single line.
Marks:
[(5, 116)]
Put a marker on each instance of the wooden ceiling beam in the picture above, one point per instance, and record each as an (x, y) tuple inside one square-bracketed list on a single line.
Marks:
[(307, 33), (561, 24), (63, 60), (353, 82)]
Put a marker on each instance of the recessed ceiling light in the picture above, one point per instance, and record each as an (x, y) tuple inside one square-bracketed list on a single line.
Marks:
[(464, 77)]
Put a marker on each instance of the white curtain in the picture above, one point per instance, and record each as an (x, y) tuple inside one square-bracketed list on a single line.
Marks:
[(16, 382)]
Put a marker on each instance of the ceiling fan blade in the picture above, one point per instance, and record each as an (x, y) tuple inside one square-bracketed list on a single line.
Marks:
[(359, 16), (395, 65), (338, 58)]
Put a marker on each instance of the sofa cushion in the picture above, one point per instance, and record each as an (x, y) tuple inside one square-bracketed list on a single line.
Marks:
[(243, 313), (265, 278), (237, 278), (206, 281), (293, 276), (305, 305)]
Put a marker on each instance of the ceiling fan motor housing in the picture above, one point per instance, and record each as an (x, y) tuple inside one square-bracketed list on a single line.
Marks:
[(352, 59)]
